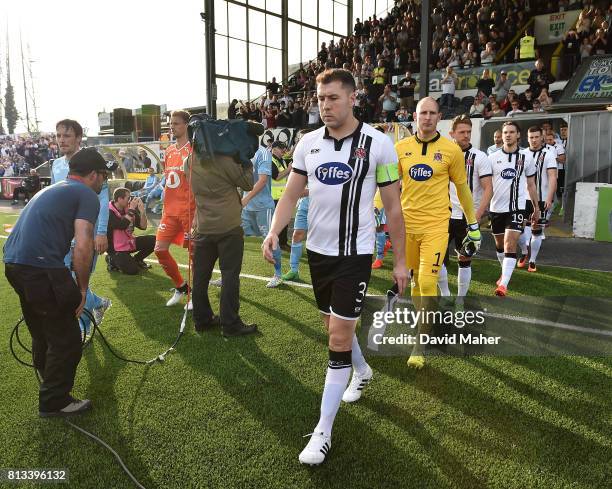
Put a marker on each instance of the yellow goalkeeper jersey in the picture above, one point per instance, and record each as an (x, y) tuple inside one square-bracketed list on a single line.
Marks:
[(426, 168)]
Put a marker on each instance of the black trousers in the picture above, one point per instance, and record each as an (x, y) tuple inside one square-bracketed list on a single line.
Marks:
[(127, 263), (49, 299), (21, 190), (228, 248)]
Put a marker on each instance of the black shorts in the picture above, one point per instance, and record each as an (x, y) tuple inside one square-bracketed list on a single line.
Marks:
[(529, 211), (340, 283), (457, 231), (500, 221)]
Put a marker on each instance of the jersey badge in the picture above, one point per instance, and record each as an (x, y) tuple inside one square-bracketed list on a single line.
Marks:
[(360, 153), (437, 156)]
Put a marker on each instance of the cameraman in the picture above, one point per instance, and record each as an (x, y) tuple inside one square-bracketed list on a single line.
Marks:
[(219, 235), (126, 213)]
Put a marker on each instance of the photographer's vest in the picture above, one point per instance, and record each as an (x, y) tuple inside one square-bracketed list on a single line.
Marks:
[(278, 186), (527, 48), (123, 239)]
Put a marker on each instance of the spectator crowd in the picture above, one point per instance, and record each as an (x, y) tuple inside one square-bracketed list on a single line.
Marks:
[(20, 154), (383, 55)]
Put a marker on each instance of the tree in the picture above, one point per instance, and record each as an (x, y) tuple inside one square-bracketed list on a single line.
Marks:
[(10, 111)]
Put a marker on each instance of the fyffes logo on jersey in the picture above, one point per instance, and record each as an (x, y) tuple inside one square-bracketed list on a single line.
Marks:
[(421, 172), (508, 173), (334, 173)]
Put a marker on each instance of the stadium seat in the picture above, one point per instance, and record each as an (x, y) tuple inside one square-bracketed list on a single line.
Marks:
[(467, 101)]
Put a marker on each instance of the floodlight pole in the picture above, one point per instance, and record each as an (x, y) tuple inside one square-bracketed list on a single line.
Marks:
[(211, 79), (424, 68)]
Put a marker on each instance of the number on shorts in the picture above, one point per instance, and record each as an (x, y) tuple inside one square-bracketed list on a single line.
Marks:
[(517, 218), (437, 264), (362, 290)]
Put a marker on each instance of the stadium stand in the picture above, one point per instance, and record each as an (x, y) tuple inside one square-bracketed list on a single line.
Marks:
[(464, 34)]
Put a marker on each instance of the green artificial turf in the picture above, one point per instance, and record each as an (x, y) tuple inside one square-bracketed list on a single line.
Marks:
[(231, 413)]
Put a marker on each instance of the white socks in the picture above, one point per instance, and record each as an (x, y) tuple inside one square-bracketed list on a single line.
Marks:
[(463, 279), (507, 268), (359, 362), (524, 240), (536, 244), (443, 282), (500, 256), (336, 380)]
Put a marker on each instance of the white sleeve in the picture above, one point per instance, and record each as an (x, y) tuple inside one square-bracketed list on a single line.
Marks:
[(483, 165), (530, 167), (387, 154), (550, 161), (559, 149)]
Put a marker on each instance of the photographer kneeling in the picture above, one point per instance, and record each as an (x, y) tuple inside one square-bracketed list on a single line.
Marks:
[(125, 213)]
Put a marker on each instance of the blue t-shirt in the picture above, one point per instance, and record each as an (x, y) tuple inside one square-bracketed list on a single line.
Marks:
[(42, 235), (262, 165), (59, 172)]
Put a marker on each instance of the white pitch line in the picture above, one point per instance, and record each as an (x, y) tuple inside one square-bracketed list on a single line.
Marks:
[(519, 319)]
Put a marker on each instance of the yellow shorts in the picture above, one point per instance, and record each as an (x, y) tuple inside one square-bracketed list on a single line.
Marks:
[(425, 252)]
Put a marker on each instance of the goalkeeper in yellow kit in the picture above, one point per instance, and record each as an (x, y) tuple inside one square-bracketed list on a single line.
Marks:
[(427, 163)]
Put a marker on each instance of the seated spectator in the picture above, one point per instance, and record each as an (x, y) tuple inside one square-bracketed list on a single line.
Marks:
[(526, 100), (31, 185), (156, 193), (487, 55), (537, 106), (544, 98), (470, 57), (514, 108), (585, 48), (126, 213), (478, 107), (150, 183), (485, 84), (496, 110), (403, 115)]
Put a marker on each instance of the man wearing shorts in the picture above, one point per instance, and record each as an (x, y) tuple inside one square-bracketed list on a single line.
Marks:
[(179, 205), (342, 163), (428, 163), (513, 179)]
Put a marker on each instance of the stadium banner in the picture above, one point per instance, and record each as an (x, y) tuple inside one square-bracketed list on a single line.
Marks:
[(550, 28), (596, 81), (516, 326), (518, 73)]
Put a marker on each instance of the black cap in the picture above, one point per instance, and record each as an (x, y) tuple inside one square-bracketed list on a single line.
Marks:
[(88, 159)]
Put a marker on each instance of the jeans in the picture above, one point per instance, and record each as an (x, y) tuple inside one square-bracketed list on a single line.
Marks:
[(228, 248)]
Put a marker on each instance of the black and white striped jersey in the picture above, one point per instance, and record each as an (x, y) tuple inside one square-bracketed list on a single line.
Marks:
[(477, 166), (510, 172), (342, 179), (558, 149), (544, 159)]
